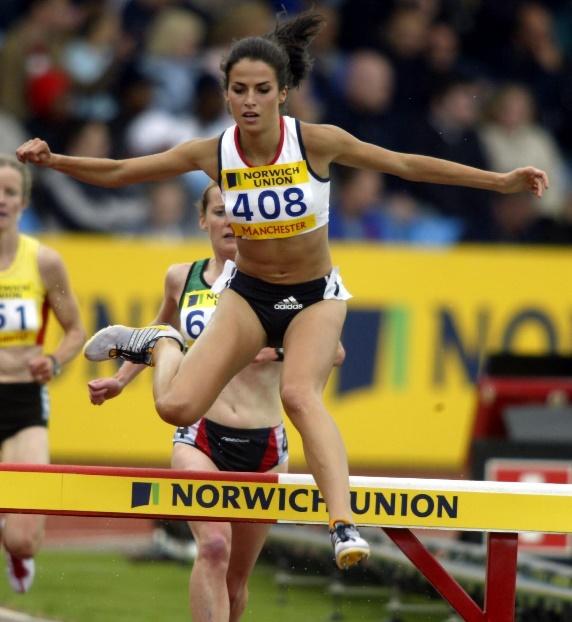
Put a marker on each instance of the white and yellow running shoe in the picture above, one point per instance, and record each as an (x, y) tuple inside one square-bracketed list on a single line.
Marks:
[(130, 344), (349, 547)]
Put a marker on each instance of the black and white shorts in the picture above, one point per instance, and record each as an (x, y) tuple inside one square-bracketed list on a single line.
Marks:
[(277, 305), (23, 405), (237, 449)]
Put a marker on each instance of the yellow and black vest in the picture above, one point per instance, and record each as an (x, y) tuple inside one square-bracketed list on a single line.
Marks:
[(23, 298)]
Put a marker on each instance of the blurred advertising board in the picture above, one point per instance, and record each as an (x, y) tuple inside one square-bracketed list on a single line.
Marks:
[(417, 329)]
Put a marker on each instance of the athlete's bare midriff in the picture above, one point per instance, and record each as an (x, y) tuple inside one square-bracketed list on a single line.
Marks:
[(251, 399), (14, 363), (286, 260)]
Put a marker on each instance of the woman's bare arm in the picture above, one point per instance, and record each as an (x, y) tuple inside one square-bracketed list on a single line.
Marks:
[(199, 154), (64, 305), (333, 144)]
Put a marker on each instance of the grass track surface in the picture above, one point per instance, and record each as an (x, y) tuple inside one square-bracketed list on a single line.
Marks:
[(75, 586)]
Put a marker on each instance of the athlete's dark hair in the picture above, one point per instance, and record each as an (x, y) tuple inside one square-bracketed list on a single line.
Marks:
[(285, 49), (203, 202)]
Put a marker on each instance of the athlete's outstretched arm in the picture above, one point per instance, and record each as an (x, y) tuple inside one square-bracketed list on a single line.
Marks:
[(343, 148), (189, 156), (103, 389)]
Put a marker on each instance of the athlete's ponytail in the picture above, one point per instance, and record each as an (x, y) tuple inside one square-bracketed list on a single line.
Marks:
[(285, 49), (295, 35)]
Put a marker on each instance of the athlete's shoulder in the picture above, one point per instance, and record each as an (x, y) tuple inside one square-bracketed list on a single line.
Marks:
[(48, 257), (177, 275), (320, 137), (51, 267), (29, 252), (27, 241)]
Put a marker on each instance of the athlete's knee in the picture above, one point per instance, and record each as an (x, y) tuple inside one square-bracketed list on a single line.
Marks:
[(299, 400), (176, 412), (215, 550), (22, 544)]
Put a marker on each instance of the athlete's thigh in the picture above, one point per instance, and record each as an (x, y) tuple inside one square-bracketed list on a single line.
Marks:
[(189, 458), (29, 445), (311, 342), (185, 457), (229, 343)]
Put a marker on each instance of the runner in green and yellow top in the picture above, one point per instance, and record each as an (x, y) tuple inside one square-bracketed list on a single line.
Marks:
[(274, 175), (241, 431), (33, 281)]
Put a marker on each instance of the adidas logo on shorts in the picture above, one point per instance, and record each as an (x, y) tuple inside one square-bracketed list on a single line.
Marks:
[(287, 304)]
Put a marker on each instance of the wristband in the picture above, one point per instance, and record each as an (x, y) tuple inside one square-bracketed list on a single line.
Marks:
[(56, 365), (279, 354)]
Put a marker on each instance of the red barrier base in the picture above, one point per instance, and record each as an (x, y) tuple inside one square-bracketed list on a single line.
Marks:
[(500, 588)]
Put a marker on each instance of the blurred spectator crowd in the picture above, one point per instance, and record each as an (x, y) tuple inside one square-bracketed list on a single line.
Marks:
[(483, 82)]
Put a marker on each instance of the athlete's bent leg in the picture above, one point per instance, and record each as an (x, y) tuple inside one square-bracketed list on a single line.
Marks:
[(310, 347), (209, 599), (208, 594), (247, 542), (184, 389), (22, 534)]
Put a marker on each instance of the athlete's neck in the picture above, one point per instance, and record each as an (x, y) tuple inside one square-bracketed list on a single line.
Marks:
[(215, 267), (260, 147), (8, 247)]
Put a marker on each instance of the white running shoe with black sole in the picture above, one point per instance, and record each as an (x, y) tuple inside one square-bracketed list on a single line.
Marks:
[(21, 572), (349, 547), (130, 344)]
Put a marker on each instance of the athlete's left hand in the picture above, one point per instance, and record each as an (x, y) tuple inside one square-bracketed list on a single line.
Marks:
[(102, 389), (42, 368), (526, 179), (267, 355)]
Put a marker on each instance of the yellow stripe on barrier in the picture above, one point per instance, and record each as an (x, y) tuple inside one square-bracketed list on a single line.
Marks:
[(389, 502)]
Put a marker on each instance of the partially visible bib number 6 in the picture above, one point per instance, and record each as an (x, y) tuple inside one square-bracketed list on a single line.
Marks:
[(196, 320)]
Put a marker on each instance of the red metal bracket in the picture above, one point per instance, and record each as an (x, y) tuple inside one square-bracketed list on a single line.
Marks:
[(500, 590)]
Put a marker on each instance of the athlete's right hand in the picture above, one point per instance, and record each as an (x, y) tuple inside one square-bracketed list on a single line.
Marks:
[(36, 151), (102, 389)]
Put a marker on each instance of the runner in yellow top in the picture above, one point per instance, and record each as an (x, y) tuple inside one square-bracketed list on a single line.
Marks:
[(33, 280), (284, 284)]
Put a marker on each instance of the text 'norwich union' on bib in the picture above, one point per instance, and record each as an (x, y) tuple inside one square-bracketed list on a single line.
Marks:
[(279, 200)]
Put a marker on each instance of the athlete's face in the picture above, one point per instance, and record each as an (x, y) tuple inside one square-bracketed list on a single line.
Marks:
[(215, 223), (11, 197), (253, 95)]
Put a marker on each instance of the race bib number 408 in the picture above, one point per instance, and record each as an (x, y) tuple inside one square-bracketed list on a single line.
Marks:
[(269, 201)]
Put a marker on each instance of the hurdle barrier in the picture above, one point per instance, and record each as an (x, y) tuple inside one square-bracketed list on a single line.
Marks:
[(397, 505)]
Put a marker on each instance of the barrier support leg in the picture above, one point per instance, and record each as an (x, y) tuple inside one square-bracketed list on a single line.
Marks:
[(500, 590), (500, 579)]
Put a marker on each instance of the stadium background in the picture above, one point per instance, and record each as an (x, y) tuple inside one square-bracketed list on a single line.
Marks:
[(440, 276)]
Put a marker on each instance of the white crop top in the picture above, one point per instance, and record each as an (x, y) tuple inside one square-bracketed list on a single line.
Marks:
[(278, 200)]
